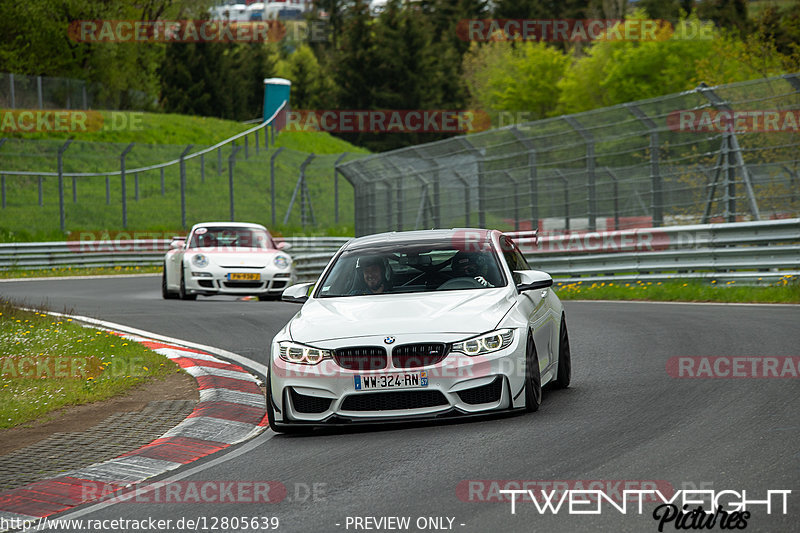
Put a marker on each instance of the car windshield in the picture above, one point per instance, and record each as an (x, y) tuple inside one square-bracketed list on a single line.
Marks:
[(227, 237), (410, 267)]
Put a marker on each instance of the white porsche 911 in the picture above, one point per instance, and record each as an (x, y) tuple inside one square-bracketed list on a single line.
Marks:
[(419, 324), (226, 258)]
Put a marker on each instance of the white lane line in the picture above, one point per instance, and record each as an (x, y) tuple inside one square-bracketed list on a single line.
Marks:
[(245, 448), (762, 304), (62, 278), (225, 354)]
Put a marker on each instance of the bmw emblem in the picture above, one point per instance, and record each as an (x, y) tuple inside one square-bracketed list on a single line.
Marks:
[(389, 340)]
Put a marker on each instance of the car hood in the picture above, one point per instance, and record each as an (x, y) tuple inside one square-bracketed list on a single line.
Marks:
[(462, 311), (237, 257)]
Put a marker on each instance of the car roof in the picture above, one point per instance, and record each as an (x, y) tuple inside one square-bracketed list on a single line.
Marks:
[(472, 234), (228, 225)]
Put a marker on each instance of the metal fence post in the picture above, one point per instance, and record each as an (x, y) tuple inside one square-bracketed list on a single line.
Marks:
[(108, 190), (301, 188), (202, 168), (566, 198), (515, 183), (162, 181), (122, 183), (62, 217), (336, 187), (13, 96), (183, 184), (219, 160), (74, 190), (481, 191), (246, 154), (41, 196), (463, 180), (655, 173), (256, 143), (136, 186), (588, 138), (39, 91), (231, 163), (533, 178), (616, 196), (3, 188), (272, 181)]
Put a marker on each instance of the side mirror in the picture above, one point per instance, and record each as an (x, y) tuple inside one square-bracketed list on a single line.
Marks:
[(528, 280), (283, 245), (177, 243), (297, 293)]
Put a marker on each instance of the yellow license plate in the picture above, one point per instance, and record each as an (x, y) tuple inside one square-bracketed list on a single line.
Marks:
[(244, 276)]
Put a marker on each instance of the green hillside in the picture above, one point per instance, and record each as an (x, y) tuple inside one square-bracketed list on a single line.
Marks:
[(161, 138)]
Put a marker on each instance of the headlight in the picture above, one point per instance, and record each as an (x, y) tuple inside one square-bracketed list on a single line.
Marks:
[(200, 261), (488, 343), (292, 352), (281, 261)]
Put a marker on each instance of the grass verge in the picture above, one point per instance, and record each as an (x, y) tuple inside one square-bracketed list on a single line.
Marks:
[(69, 271), (786, 290), (47, 363)]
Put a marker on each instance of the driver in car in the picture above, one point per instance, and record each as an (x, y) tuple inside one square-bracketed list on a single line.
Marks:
[(471, 265), (374, 276)]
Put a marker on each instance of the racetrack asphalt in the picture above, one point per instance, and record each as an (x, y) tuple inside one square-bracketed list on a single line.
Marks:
[(624, 418)]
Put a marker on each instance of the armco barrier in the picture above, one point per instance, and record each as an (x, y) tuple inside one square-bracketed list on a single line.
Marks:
[(750, 251)]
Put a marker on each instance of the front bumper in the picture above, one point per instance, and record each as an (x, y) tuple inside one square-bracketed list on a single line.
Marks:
[(216, 281), (459, 385)]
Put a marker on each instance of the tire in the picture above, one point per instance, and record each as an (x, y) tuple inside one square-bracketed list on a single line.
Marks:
[(564, 375), (533, 379), (182, 291), (165, 292), (279, 428)]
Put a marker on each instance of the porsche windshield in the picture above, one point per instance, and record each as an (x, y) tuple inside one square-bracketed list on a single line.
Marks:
[(224, 237), (408, 268)]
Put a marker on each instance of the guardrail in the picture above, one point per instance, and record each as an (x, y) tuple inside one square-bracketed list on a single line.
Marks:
[(749, 251)]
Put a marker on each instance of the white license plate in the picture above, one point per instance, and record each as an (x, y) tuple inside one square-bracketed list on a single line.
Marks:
[(405, 380)]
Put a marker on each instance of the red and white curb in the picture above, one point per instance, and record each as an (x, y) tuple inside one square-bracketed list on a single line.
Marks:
[(231, 409)]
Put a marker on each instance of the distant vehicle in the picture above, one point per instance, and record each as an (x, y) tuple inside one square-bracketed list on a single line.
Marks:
[(283, 11), (255, 11), (226, 258)]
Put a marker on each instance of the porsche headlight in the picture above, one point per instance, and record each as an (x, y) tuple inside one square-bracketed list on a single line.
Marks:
[(200, 261), (281, 261), (291, 352), (487, 343)]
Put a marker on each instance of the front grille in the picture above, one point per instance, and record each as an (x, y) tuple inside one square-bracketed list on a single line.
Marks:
[(361, 357), (393, 401), (243, 284), (309, 404), (488, 393), (416, 355)]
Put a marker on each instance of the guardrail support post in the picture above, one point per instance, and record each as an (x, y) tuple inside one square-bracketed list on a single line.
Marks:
[(183, 184), (588, 138), (272, 181), (231, 163), (336, 187), (62, 217)]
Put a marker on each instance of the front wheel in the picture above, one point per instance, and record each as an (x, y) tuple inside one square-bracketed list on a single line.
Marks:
[(533, 379), (564, 375), (182, 291)]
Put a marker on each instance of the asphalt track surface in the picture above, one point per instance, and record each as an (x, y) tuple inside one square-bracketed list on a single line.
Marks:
[(624, 418)]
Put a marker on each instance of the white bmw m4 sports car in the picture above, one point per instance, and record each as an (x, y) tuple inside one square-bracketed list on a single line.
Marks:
[(226, 258), (420, 324)]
